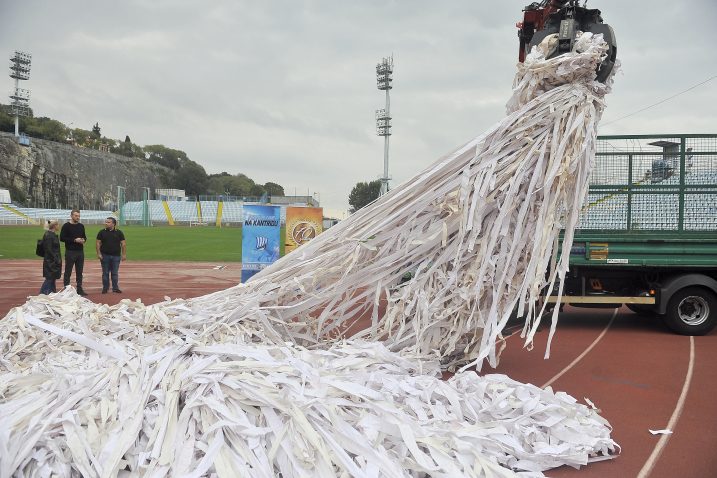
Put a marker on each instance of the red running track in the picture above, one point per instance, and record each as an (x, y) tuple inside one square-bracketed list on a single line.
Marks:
[(638, 373)]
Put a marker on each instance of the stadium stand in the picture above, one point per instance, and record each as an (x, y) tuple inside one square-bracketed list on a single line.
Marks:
[(29, 215), (232, 212), (156, 211), (9, 216), (209, 211), (654, 210), (133, 211), (183, 212)]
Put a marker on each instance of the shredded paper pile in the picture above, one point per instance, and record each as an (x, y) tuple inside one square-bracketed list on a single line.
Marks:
[(329, 362)]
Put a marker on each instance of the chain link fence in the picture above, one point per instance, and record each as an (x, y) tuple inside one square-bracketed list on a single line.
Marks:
[(653, 183)]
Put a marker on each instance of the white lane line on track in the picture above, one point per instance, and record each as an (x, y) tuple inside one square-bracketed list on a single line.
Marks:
[(657, 451), (585, 352)]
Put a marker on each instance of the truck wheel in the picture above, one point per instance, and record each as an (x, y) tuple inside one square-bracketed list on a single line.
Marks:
[(642, 309), (692, 311)]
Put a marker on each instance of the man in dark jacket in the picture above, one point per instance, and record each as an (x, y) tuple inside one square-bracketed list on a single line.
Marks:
[(73, 235), (111, 249), (52, 260)]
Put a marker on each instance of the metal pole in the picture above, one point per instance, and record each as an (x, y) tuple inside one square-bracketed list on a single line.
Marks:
[(145, 207), (17, 117), (681, 195), (120, 205), (384, 72), (384, 181)]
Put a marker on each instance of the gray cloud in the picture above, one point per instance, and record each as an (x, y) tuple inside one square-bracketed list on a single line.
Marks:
[(285, 90)]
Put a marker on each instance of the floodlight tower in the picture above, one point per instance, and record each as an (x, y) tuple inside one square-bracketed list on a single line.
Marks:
[(20, 70), (384, 77)]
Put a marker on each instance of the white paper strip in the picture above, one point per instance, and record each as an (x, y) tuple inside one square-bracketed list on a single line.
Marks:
[(257, 380)]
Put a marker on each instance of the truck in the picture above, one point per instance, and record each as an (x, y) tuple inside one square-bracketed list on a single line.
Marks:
[(647, 234)]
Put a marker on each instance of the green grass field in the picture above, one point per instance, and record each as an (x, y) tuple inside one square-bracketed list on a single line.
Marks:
[(162, 243)]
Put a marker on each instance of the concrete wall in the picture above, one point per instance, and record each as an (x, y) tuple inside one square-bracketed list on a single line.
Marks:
[(55, 175)]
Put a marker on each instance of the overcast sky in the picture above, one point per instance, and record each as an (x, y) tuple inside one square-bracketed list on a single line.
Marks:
[(285, 90)]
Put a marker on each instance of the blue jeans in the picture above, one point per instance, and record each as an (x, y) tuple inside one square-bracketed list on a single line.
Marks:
[(48, 286), (110, 264)]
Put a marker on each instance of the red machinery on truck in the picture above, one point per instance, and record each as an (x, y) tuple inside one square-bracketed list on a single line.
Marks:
[(647, 237), (564, 18)]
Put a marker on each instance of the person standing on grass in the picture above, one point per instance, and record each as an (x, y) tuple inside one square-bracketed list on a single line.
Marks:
[(111, 249), (73, 235), (52, 260)]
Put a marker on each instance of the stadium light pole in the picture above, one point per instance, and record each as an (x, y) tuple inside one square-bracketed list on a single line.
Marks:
[(384, 78), (20, 70)]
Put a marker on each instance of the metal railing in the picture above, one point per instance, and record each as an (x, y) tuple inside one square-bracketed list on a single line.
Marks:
[(653, 183)]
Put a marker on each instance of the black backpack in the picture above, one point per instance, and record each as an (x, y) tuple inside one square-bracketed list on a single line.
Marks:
[(40, 248)]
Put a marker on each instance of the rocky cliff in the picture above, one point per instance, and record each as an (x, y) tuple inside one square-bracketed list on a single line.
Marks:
[(55, 175)]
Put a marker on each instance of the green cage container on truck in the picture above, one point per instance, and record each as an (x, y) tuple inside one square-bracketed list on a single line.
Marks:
[(647, 235)]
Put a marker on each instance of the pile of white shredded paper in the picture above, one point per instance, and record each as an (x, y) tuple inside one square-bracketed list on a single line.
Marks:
[(277, 377)]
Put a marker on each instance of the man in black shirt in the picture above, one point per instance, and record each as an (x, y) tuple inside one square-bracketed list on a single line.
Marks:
[(111, 249), (73, 235)]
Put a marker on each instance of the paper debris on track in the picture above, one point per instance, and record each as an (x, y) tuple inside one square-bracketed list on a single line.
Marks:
[(259, 379), (97, 394)]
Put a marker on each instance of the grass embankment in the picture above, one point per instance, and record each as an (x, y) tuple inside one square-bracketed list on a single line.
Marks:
[(162, 243)]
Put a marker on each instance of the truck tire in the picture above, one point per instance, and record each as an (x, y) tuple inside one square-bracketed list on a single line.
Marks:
[(692, 311)]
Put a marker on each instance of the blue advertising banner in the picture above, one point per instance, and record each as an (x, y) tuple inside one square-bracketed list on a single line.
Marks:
[(261, 233)]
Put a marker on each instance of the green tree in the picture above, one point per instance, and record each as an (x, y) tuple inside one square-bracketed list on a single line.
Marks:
[(43, 128), (124, 148), (192, 178), (7, 119), (168, 157), (216, 183), (96, 132), (257, 190), (273, 189), (237, 185), (128, 148), (364, 193), (219, 184), (7, 122), (55, 130), (81, 136), (243, 184), (138, 151), (112, 143)]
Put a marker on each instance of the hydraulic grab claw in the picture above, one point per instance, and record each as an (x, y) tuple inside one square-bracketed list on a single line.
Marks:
[(564, 18)]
